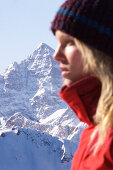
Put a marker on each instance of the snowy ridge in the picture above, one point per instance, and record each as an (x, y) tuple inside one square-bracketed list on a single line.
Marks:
[(61, 131)]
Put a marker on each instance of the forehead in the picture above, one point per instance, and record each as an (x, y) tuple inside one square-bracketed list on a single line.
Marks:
[(61, 36)]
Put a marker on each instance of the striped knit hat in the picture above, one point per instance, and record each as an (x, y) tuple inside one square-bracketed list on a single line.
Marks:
[(90, 21)]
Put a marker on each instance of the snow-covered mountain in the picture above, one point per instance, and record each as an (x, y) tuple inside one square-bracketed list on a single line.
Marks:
[(30, 87), (29, 103)]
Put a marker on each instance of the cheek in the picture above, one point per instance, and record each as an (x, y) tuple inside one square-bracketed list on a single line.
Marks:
[(76, 57)]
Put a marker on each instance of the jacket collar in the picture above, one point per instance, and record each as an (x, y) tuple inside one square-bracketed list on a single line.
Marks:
[(82, 96)]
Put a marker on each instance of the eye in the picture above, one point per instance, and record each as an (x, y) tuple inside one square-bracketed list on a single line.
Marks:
[(68, 43)]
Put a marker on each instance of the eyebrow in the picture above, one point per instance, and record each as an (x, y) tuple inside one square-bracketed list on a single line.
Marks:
[(67, 38)]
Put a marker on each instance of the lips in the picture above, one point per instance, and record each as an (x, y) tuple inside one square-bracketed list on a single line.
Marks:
[(65, 72), (63, 69)]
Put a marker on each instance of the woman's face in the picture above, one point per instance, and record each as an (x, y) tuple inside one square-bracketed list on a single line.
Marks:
[(69, 57)]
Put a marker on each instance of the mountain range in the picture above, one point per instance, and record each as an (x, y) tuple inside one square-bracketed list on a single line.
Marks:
[(37, 128)]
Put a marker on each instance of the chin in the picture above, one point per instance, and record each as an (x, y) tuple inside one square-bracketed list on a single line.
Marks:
[(67, 82)]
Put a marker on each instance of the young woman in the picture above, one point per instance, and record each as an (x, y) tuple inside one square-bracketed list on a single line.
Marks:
[(84, 30)]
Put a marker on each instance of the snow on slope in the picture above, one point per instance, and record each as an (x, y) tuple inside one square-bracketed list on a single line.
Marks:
[(25, 149)]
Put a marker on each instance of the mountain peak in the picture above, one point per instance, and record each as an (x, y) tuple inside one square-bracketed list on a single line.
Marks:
[(41, 44), (44, 46)]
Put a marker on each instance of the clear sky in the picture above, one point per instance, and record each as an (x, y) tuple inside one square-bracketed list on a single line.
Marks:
[(23, 25)]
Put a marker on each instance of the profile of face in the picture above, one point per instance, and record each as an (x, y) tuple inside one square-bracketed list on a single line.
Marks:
[(69, 57)]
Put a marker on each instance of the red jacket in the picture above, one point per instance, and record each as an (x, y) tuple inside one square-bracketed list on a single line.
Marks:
[(82, 96)]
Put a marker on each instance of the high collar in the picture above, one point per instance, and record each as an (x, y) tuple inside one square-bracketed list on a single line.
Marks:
[(82, 96)]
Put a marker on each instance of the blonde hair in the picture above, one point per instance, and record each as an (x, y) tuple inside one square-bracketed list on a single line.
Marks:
[(101, 66)]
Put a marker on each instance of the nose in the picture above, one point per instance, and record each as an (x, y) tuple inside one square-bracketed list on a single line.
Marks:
[(58, 54)]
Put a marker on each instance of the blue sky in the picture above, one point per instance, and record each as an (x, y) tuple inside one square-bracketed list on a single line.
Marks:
[(23, 25)]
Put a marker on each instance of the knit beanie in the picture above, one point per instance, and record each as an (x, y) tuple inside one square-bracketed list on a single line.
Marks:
[(90, 21)]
